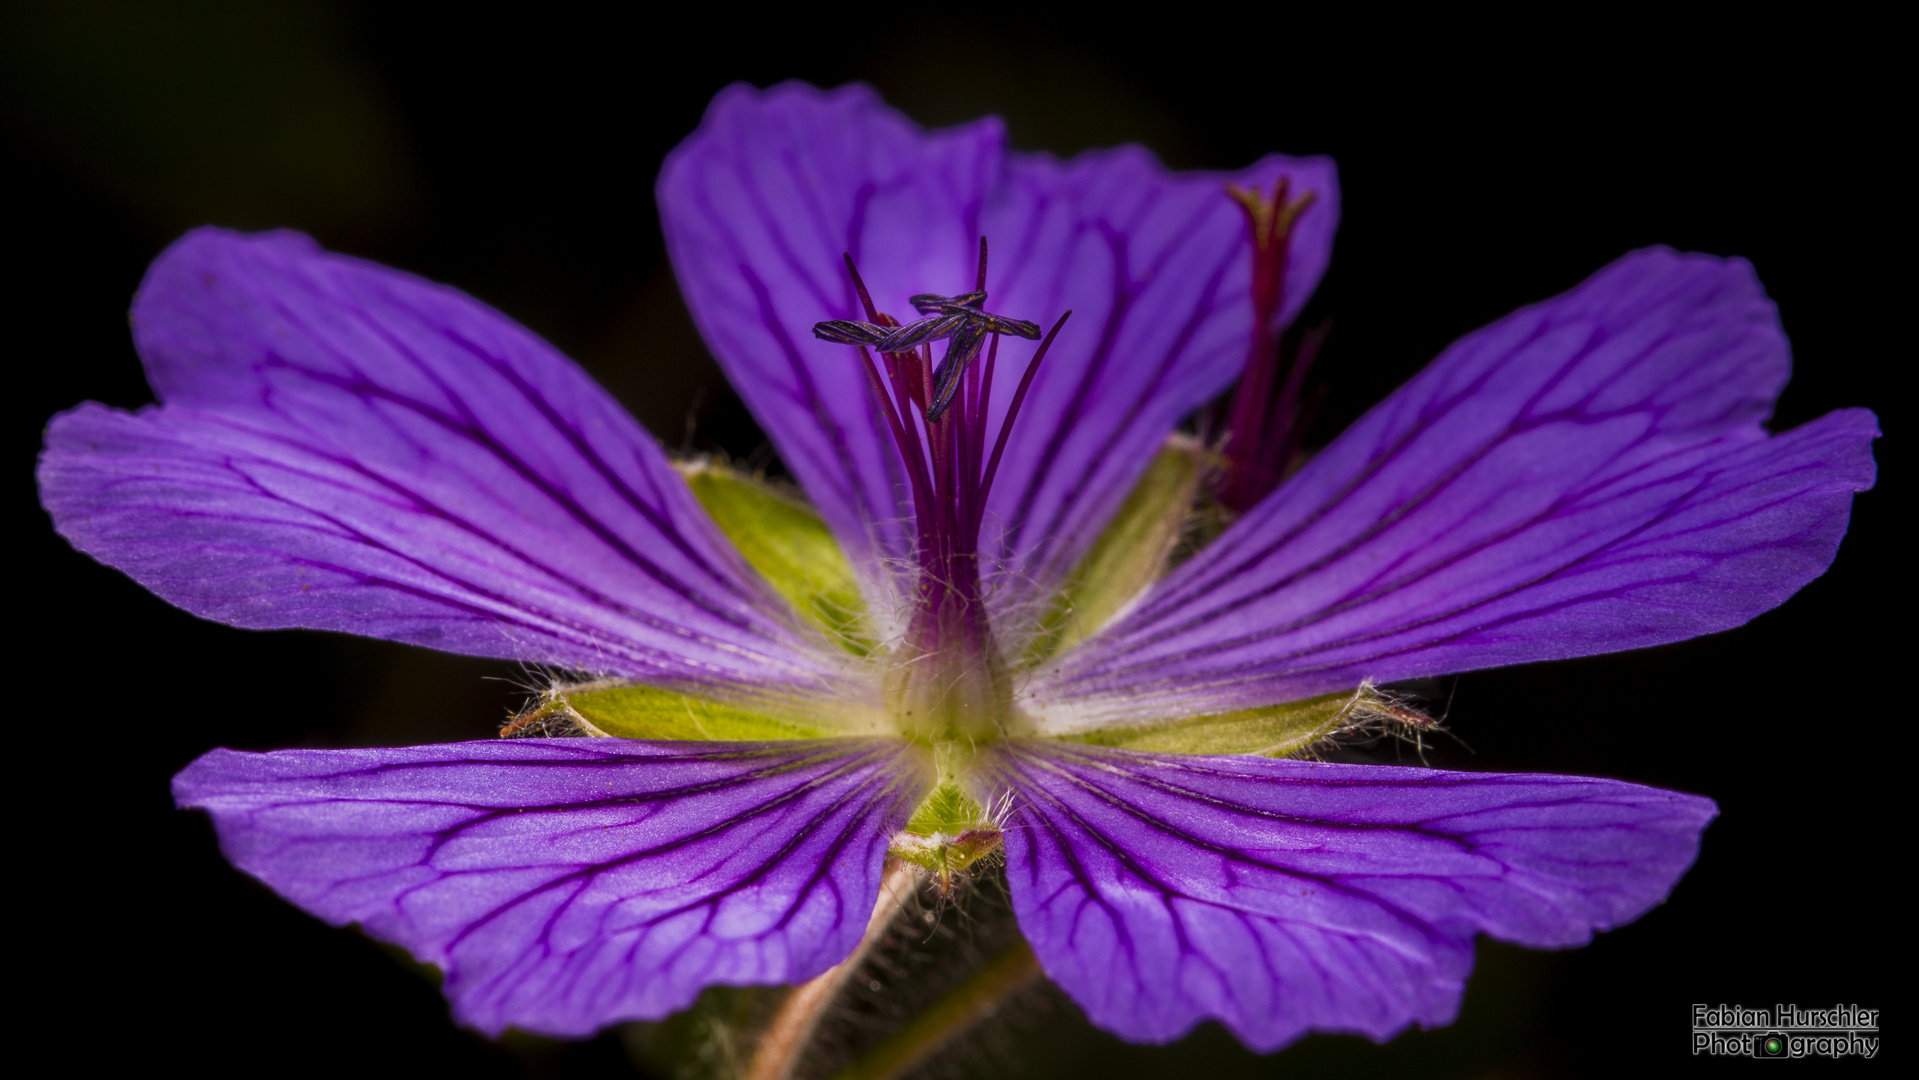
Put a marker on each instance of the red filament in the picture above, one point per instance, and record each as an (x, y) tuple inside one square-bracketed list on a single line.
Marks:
[(944, 465)]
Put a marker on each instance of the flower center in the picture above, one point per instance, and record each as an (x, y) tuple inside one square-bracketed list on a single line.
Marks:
[(949, 681)]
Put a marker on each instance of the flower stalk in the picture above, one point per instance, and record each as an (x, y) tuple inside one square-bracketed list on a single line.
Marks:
[(787, 1036), (973, 1000)]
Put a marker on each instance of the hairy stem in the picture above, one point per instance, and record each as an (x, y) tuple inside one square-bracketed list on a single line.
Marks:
[(786, 1038), (973, 1000)]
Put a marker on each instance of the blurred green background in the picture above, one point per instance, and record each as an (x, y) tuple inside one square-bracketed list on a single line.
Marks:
[(511, 151)]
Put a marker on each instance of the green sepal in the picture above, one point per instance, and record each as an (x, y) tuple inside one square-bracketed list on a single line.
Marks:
[(947, 809), (783, 539), (1128, 555), (1273, 731), (648, 712), (947, 835)]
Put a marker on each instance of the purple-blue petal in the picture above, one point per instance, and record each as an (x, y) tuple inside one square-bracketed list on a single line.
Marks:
[(1280, 897), (1587, 475), (567, 884), (346, 447), (760, 203)]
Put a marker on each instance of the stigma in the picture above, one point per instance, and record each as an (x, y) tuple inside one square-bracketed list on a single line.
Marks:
[(1269, 413), (947, 681)]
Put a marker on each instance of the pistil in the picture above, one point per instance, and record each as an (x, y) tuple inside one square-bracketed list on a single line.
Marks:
[(949, 681), (1268, 413)]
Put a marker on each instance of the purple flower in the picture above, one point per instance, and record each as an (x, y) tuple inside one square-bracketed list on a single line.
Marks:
[(970, 647)]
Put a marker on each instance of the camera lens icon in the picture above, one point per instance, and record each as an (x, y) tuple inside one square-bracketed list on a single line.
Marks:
[(1771, 1045)]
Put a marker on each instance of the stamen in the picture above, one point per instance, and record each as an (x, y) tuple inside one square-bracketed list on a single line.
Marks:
[(952, 678), (980, 411), (960, 353), (859, 286), (921, 494), (971, 425), (1012, 411), (960, 320), (847, 332), (904, 372)]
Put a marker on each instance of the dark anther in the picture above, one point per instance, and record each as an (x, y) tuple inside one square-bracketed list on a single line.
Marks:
[(935, 304), (958, 319), (848, 332)]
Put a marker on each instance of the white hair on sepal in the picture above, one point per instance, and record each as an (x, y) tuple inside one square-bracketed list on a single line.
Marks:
[(1377, 713), (998, 810), (546, 713)]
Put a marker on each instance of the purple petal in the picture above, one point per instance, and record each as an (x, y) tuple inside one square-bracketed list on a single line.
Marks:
[(567, 884), (345, 447), (760, 203), (1285, 896), (1587, 475)]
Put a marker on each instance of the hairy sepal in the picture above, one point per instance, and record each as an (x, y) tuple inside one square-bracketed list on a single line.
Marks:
[(1129, 554), (948, 835), (1284, 730), (785, 540), (632, 711)]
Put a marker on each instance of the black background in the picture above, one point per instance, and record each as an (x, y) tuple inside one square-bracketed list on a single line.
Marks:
[(512, 153)]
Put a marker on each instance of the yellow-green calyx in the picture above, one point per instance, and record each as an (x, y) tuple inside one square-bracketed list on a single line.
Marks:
[(1273, 731), (786, 542), (1129, 554), (629, 711), (947, 836)]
